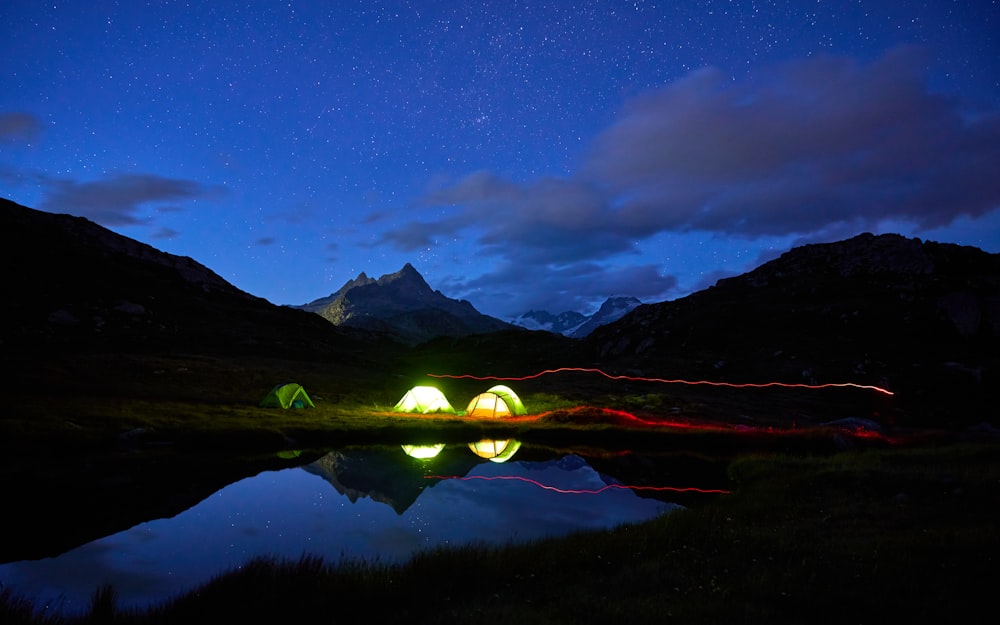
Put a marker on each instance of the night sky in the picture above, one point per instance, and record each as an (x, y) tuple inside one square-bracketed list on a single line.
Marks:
[(520, 155)]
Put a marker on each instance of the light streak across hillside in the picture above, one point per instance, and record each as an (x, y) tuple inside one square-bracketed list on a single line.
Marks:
[(630, 378), (577, 491)]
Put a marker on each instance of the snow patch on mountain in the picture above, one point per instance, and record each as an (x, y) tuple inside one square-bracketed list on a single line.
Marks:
[(574, 324)]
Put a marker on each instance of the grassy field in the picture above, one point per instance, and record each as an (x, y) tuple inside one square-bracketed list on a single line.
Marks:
[(816, 531)]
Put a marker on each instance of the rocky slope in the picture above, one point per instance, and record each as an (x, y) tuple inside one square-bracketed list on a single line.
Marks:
[(920, 318), (613, 309), (74, 285), (403, 306)]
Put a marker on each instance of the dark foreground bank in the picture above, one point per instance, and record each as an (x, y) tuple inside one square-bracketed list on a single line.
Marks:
[(860, 536)]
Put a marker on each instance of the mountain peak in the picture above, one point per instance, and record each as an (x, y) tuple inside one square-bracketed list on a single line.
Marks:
[(408, 274), (403, 304), (613, 309)]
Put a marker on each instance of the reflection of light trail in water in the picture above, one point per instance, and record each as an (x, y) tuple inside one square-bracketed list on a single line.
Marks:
[(573, 491), (663, 381)]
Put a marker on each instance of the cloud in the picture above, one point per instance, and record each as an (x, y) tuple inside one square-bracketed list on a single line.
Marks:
[(411, 236), (18, 127), (799, 148), (165, 233), (514, 288), (802, 148), (117, 200), (550, 220), (374, 217)]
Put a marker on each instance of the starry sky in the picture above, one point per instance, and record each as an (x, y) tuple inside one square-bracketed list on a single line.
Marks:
[(520, 154)]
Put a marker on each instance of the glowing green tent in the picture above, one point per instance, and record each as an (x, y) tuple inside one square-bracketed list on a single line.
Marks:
[(425, 400), (289, 395), (499, 401)]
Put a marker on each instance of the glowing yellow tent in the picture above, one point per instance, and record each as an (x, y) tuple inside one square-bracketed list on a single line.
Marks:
[(495, 451), (500, 401), (425, 400)]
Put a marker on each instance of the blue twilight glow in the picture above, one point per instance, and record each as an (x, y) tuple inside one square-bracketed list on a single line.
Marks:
[(601, 148)]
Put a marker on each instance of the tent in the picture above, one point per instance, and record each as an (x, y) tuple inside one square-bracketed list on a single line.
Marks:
[(289, 395), (425, 400), (499, 401), (495, 451)]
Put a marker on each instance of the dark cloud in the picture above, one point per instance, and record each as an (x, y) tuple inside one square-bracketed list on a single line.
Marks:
[(807, 150), (13, 177), (549, 220), (374, 216), (117, 200), (16, 127), (412, 236), (165, 233), (812, 146), (515, 288), (799, 148)]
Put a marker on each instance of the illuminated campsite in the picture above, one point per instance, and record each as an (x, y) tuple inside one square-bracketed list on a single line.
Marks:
[(521, 312)]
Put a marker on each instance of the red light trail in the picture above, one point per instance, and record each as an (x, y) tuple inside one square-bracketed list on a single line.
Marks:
[(571, 491), (869, 387)]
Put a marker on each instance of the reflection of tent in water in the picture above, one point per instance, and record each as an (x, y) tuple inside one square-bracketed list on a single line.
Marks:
[(495, 451), (287, 396), (499, 401), (423, 399), (423, 452)]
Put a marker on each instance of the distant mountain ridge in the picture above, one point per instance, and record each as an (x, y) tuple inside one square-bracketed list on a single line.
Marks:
[(74, 284), (544, 320), (402, 305), (918, 317), (575, 324)]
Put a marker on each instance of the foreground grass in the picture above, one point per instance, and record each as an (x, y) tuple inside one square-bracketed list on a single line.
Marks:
[(862, 536)]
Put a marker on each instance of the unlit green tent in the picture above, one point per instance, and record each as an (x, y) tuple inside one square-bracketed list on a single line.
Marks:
[(289, 395), (425, 400)]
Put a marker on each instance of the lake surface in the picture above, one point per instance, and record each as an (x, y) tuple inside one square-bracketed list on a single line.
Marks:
[(379, 504)]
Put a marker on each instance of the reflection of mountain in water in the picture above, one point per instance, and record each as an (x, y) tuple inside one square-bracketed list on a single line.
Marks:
[(388, 475)]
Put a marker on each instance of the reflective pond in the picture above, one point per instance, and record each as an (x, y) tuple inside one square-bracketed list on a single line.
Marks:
[(378, 504)]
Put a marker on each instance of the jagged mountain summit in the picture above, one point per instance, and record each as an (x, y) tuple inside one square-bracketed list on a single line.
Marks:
[(318, 305), (403, 306), (613, 309), (575, 324)]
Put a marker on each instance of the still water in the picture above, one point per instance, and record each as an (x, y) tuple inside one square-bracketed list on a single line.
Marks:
[(374, 504)]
